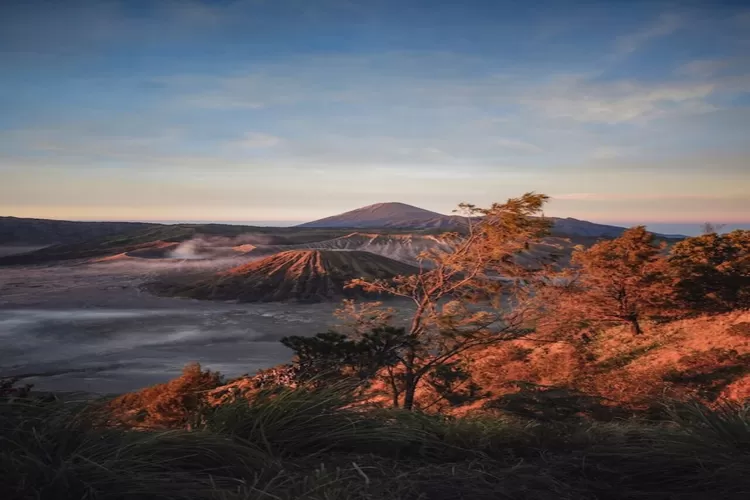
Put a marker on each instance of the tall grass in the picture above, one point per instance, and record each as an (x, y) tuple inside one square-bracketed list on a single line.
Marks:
[(726, 424), (327, 445), (288, 421), (55, 451)]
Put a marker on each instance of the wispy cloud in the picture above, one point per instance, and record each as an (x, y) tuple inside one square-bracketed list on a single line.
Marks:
[(422, 173), (617, 102), (517, 145), (82, 141), (582, 98), (702, 67), (605, 153), (221, 101), (635, 196), (255, 140), (665, 25)]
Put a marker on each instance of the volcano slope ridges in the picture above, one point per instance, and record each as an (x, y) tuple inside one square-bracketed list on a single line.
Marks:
[(297, 275)]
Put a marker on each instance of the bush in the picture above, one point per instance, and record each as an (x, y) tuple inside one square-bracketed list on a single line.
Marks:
[(740, 329), (177, 404), (713, 271)]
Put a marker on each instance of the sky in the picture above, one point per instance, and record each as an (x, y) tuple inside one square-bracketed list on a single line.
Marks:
[(291, 110)]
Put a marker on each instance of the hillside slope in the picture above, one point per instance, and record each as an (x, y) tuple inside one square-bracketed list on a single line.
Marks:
[(206, 237), (301, 275), (154, 236), (707, 358), (25, 231), (568, 226)]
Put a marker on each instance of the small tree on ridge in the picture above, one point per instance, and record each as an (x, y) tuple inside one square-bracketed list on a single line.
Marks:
[(713, 271), (619, 281), (473, 295)]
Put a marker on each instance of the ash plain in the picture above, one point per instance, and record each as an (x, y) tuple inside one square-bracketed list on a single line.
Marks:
[(82, 326)]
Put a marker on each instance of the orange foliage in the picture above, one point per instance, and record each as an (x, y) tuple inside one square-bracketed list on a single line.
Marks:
[(700, 358), (621, 281), (169, 405)]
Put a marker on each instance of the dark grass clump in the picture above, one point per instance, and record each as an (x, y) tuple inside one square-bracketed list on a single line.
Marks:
[(327, 444), (299, 422), (54, 450)]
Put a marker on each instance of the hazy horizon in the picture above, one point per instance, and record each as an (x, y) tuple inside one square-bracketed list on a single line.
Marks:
[(665, 227), (245, 110)]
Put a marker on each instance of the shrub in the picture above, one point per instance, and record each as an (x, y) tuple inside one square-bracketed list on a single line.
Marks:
[(518, 353), (713, 271), (177, 404), (740, 329)]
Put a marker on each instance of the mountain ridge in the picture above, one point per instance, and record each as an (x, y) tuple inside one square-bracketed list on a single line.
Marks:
[(404, 216)]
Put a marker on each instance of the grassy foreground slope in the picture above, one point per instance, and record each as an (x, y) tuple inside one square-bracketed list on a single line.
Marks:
[(325, 445)]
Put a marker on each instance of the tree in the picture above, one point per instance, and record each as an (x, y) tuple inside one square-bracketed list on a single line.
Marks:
[(623, 280), (177, 403), (327, 357), (713, 271), (473, 295), (710, 228)]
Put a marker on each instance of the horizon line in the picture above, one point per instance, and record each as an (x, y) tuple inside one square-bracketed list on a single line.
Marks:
[(622, 223)]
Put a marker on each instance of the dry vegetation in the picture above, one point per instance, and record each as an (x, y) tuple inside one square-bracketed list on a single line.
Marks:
[(701, 357)]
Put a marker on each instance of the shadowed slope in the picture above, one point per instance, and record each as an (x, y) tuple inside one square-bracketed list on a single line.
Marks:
[(401, 247), (304, 275), (20, 230)]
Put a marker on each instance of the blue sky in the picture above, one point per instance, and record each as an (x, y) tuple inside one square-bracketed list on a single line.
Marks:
[(293, 110)]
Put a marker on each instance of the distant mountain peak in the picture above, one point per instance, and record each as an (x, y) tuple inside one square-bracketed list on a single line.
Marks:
[(387, 203), (394, 205), (380, 215)]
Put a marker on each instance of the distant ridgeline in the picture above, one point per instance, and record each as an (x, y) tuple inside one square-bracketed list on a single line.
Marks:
[(78, 240)]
